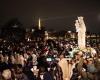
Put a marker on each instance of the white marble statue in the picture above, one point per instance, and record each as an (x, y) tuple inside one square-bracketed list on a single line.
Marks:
[(81, 29)]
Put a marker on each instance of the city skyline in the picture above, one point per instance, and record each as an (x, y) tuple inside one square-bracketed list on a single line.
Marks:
[(54, 14)]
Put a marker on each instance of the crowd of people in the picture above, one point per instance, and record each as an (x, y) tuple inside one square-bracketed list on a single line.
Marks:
[(49, 60)]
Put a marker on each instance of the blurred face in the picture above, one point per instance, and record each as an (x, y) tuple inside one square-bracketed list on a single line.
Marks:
[(19, 70), (90, 61), (6, 74), (72, 61), (61, 56), (77, 56), (6, 58), (85, 61), (29, 52)]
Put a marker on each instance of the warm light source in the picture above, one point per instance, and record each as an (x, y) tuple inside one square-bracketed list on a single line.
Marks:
[(39, 24), (69, 31)]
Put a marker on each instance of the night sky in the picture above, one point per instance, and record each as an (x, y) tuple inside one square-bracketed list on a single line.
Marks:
[(55, 14)]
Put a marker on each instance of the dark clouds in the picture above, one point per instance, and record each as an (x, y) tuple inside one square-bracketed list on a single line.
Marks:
[(56, 14)]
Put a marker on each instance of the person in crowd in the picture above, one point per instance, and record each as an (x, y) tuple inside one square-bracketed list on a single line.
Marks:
[(19, 74), (6, 75), (20, 57), (79, 66), (44, 74), (74, 71), (97, 65), (56, 71), (91, 69), (11, 60)]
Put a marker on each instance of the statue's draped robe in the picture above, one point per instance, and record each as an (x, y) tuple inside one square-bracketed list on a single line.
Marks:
[(81, 29)]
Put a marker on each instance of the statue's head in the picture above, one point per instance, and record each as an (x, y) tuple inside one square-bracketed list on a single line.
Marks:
[(80, 18)]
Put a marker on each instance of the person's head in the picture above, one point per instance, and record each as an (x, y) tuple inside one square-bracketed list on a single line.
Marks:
[(54, 65), (85, 61), (6, 74), (30, 51), (90, 61), (42, 69), (19, 68), (6, 58), (78, 55), (62, 55), (73, 61)]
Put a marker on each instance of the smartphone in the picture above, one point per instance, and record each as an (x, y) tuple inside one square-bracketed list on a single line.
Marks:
[(49, 59)]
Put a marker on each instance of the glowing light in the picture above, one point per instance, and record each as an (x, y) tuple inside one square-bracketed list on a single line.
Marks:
[(39, 24)]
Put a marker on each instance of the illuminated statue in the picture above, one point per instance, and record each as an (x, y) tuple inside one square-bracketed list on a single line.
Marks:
[(81, 29)]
